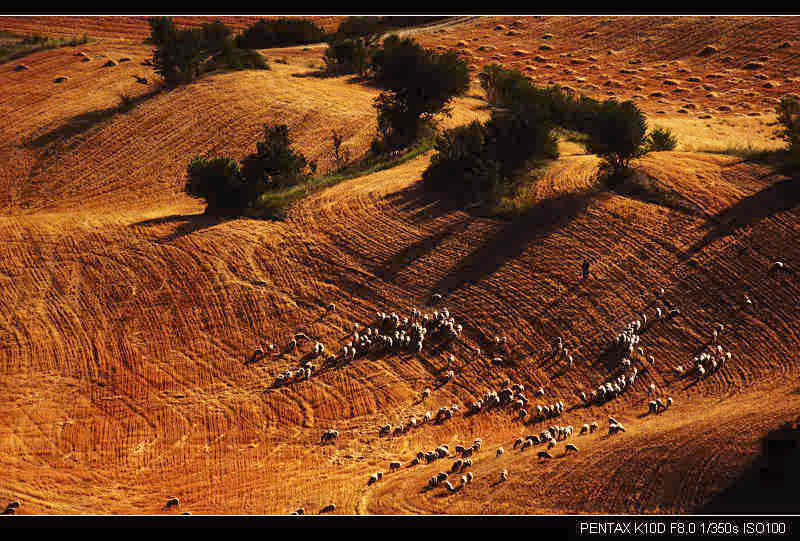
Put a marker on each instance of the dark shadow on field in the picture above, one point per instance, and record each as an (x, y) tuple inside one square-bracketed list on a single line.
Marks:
[(83, 122), (419, 249), (512, 238), (781, 196), (191, 224), (768, 486)]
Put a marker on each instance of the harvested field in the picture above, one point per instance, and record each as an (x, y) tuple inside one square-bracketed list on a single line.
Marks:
[(127, 315)]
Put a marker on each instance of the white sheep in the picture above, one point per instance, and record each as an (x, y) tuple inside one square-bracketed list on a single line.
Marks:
[(504, 475), (570, 447), (499, 451)]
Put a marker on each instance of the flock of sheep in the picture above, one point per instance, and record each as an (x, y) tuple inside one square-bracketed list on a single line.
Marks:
[(393, 333)]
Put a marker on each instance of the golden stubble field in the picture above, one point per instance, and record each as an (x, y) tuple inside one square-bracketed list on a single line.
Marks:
[(126, 315)]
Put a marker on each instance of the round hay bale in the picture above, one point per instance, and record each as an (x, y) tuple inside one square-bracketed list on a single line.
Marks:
[(708, 50), (670, 82), (513, 33), (520, 52), (545, 47), (724, 108), (109, 64), (753, 65), (125, 59), (21, 67), (693, 79), (85, 59), (547, 36), (539, 58), (61, 79)]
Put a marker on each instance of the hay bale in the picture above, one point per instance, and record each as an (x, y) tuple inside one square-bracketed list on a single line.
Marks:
[(708, 50), (462, 43), (86, 59), (670, 82), (513, 33), (125, 59), (500, 27), (771, 84), (547, 36), (520, 52), (753, 65), (539, 58), (590, 34), (109, 64), (61, 79), (785, 45), (21, 67), (487, 48), (545, 47), (81, 53), (724, 108), (693, 79), (657, 95), (578, 61)]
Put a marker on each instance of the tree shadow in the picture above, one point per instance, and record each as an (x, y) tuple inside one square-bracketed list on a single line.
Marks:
[(768, 486), (191, 224), (389, 271), (83, 122), (781, 196), (511, 240)]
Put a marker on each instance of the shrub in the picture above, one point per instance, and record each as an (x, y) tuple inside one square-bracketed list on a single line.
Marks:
[(477, 159), (789, 117), (280, 32), (347, 56), (178, 54), (275, 164), (229, 188), (617, 134), (368, 29), (661, 139), (217, 180)]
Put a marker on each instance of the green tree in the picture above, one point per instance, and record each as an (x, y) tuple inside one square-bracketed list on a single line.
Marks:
[(617, 134)]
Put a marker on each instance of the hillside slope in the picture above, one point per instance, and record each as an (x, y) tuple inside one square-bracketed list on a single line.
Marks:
[(126, 316)]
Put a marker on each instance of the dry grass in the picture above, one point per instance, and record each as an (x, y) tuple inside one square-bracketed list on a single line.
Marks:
[(126, 315)]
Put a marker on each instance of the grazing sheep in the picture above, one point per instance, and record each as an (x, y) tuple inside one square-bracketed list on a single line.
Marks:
[(395, 465), (504, 476), (499, 451), (457, 465), (584, 429), (331, 307), (594, 426), (669, 401), (328, 509), (653, 407), (172, 502), (435, 298), (544, 454), (372, 479), (570, 447), (470, 477), (526, 444)]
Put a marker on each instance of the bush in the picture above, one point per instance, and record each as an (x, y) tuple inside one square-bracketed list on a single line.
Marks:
[(275, 164), (217, 180), (789, 117), (280, 32), (617, 134), (477, 159), (347, 56), (229, 188), (368, 29), (661, 139)]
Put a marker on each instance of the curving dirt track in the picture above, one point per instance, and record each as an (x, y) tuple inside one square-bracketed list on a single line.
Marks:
[(126, 316)]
